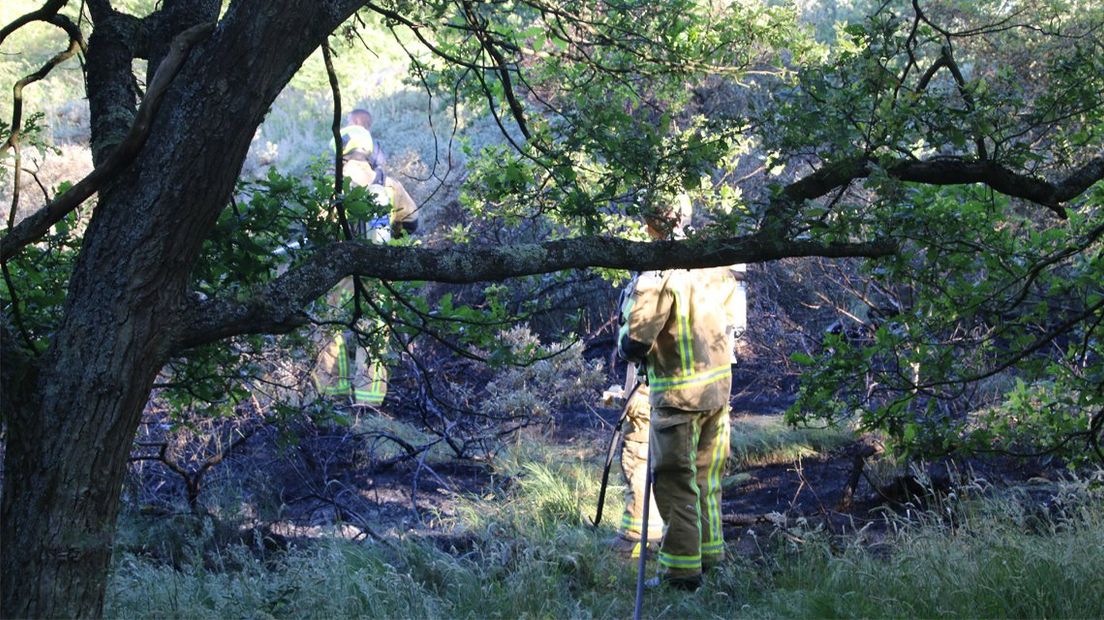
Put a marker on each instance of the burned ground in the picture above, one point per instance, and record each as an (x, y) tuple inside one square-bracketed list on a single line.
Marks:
[(317, 477)]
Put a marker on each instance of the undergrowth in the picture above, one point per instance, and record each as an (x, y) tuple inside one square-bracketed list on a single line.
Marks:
[(528, 551)]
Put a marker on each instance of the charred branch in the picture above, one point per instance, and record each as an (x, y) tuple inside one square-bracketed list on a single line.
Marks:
[(193, 480)]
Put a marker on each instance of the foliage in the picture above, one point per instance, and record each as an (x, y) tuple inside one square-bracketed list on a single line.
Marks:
[(985, 295), (33, 289), (600, 142), (600, 139), (934, 136), (274, 223), (1014, 308)]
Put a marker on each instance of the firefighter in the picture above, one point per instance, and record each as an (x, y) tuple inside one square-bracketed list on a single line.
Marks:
[(634, 463), (343, 369), (364, 161), (678, 323)]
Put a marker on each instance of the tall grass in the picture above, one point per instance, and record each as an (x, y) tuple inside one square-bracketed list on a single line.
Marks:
[(527, 550), (766, 440), (997, 561)]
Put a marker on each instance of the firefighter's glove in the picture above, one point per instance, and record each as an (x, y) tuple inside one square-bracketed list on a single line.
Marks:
[(613, 396)]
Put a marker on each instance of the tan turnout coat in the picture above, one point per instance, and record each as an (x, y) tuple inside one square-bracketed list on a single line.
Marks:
[(675, 321)]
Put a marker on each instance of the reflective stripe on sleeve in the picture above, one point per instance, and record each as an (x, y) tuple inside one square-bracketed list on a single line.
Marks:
[(686, 347)]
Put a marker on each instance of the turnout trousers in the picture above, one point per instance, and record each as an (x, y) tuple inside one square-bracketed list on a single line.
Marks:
[(689, 449), (343, 370)]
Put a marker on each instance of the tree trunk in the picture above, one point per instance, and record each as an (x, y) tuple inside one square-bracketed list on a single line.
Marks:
[(69, 441), (64, 469), (67, 453)]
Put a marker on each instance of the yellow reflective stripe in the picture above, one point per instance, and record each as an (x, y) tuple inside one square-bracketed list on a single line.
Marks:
[(696, 426), (370, 398), (712, 490), (342, 360), (628, 522), (377, 389), (712, 547), (680, 561), (658, 384), (686, 349)]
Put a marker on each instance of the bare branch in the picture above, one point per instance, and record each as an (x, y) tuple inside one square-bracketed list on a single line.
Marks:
[(38, 223), (193, 480), (488, 44), (76, 44)]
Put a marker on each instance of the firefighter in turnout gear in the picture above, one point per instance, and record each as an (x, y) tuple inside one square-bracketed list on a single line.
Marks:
[(634, 467), (364, 161), (679, 324), (343, 369), (634, 464)]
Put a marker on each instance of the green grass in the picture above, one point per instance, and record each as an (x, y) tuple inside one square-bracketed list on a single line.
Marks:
[(765, 440), (528, 552), (994, 565)]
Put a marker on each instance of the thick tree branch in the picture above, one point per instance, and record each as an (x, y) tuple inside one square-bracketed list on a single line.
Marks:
[(173, 18), (1010, 183), (278, 307), (113, 95), (39, 222), (76, 44), (1080, 179), (941, 171), (49, 9)]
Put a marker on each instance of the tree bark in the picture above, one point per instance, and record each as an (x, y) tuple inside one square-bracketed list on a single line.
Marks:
[(68, 443)]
